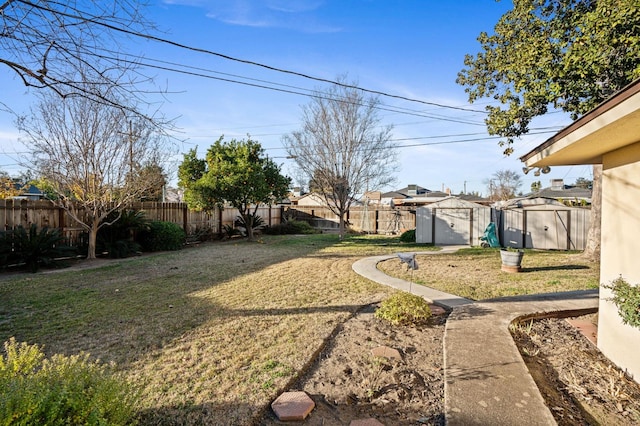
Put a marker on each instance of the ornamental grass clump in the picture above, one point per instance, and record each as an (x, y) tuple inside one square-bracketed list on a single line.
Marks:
[(404, 309), (61, 390)]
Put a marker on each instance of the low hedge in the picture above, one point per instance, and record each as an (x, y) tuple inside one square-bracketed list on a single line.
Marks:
[(161, 236)]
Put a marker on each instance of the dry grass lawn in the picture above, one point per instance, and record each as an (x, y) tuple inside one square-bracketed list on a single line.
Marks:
[(212, 334)]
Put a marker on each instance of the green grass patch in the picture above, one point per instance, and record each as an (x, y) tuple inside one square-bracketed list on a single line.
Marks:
[(475, 273)]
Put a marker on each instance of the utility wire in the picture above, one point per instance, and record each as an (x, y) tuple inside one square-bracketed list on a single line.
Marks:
[(289, 89), (95, 21), (312, 94)]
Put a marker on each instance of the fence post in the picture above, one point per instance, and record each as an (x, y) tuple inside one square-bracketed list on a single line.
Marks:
[(185, 212), (61, 219)]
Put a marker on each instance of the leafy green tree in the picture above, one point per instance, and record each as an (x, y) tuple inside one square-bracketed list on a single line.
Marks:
[(536, 186), (235, 172), (583, 183), (154, 178), (568, 55), (7, 186)]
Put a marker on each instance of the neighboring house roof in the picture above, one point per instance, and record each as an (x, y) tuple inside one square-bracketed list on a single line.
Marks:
[(530, 202), (416, 195), (408, 191), (567, 191), (315, 199), (475, 199), (394, 194), (559, 191), (28, 191)]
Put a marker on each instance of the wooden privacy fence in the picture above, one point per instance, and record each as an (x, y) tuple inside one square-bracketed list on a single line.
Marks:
[(373, 220), (42, 213)]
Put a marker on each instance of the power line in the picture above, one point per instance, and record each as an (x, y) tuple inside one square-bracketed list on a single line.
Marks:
[(309, 93), (244, 61)]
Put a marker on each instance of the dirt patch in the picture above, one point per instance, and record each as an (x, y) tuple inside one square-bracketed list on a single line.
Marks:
[(347, 382), (579, 384)]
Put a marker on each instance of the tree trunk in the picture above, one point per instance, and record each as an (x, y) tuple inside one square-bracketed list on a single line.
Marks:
[(248, 221), (341, 229), (592, 248), (93, 236)]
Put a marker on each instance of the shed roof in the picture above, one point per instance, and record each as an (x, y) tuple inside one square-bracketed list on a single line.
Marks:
[(454, 202)]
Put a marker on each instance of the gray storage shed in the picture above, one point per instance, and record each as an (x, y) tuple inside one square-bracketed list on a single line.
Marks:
[(543, 223), (452, 221)]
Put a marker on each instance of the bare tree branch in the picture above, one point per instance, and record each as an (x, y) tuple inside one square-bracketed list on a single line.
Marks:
[(92, 155), (341, 147)]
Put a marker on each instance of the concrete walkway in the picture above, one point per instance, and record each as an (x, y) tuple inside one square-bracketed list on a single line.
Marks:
[(486, 380)]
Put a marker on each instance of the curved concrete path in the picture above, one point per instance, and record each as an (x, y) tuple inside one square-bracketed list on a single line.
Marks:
[(486, 380)]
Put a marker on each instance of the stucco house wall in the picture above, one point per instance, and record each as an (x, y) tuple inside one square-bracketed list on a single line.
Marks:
[(609, 135), (620, 248)]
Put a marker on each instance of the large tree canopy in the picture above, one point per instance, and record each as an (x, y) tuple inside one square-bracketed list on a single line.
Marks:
[(564, 54), (554, 54), (234, 172), (342, 149)]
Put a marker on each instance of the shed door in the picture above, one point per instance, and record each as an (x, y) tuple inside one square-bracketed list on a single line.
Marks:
[(547, 229), (452, 227)]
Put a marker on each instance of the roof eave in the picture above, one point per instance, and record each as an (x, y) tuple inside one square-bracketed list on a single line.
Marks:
[(606, 128)]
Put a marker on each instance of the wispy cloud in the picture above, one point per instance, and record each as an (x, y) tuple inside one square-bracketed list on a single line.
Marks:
[(297, 15)]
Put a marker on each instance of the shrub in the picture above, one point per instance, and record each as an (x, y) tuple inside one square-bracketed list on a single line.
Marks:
[(61, 390), (291, 226), (33, 248), (404, 309), (627, 298), (200, 234), (116, 236), (228, 231), (161, 236), (408, 236), (256, 220)]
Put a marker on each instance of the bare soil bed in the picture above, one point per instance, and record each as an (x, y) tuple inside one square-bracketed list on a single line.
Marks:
[(347, 382), (580, 385)]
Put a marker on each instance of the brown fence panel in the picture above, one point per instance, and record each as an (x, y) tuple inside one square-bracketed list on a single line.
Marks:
[(370, 219), (14, 213)]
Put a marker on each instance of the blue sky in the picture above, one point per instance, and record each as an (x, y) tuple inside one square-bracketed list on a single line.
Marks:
[(411, 48)]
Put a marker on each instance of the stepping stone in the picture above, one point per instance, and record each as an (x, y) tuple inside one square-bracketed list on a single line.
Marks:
[(437, 310), (292, 406), (366, 422), (587, 328), (386, 352)]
